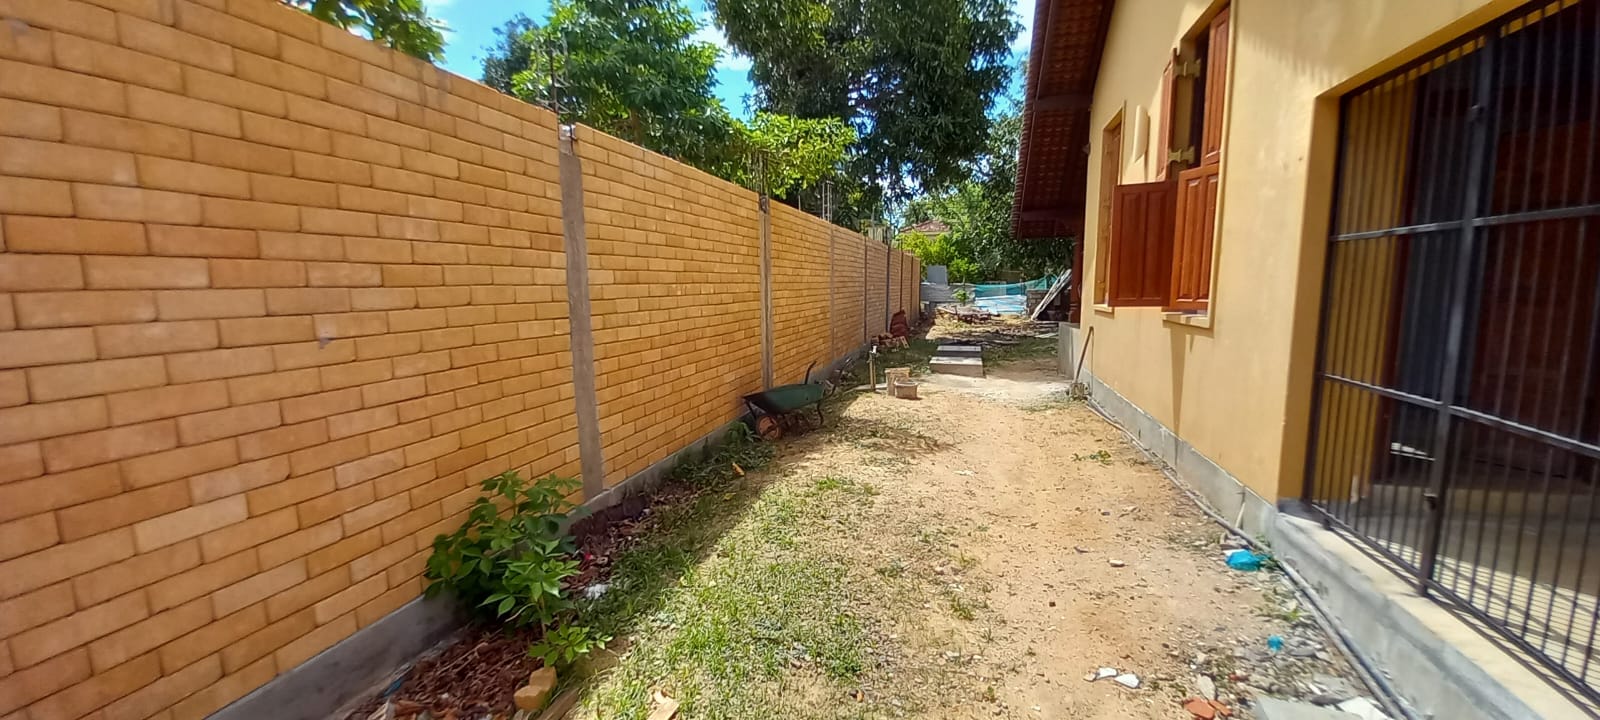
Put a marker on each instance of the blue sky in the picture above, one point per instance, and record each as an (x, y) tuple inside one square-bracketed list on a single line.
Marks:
[(472, 24)]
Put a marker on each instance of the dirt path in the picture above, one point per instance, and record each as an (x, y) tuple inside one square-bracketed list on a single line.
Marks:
[(971, 554)]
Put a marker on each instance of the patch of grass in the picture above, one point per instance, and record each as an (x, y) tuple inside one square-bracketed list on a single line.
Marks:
[(1054, 401), (1023, 348), (963, 607), (737, 594), (1101, 456)]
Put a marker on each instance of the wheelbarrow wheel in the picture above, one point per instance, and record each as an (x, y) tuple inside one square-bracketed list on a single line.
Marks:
[(768, 428)]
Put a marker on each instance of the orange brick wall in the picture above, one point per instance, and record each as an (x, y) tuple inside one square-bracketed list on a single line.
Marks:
[(897, 282), (876, 287), (274, 299), (849, 282), (800, 302), (675, 282)]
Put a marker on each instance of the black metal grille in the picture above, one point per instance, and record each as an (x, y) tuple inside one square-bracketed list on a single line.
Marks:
[(1456, 420)]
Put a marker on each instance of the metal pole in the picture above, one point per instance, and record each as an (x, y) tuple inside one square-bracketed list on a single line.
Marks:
[(1477, 168)]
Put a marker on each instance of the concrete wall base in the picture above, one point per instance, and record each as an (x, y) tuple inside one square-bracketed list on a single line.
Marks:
[(1227, 495), (353, 667), (374, 656), (1441, 666)]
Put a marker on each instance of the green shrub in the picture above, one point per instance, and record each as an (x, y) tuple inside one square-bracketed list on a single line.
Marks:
[(563, 646), (512, 557)]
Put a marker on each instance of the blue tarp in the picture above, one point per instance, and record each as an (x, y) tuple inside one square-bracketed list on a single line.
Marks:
[(1008, 298)]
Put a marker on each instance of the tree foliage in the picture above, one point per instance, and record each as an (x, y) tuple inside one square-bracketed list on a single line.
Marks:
[(948, 249), (512, 53), (795, 152), (632, 68), (914, 78), (401, 24), (978, 211)]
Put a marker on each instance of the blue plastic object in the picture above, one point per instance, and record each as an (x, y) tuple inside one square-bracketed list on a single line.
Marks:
[(1245, 560), (1275, 643)]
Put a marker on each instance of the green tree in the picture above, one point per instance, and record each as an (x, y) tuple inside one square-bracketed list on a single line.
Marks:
[(512, 53), (978, 211), (401, 24), (632, 69), (948, 249), (795, 152), (914, 78)]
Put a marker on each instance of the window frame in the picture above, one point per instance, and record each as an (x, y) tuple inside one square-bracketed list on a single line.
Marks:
[(1103, 231), (1194, 111)]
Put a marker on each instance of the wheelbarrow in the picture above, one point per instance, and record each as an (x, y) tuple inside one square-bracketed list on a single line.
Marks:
[(783, 408)]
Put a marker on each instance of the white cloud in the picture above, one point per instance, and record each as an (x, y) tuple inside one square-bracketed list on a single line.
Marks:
[(710, 33)]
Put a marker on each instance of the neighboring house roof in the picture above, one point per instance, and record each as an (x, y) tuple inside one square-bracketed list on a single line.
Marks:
[(1052, 170), (928, 227)]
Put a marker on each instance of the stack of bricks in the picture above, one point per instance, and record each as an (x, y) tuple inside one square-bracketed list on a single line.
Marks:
[(849, 282), (273, 300), (800, 302), (675, 288)]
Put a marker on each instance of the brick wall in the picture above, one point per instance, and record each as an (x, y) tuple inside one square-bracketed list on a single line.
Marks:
[(675, 282), (274, 299), (897, 282), (877, 286), (849, 282), (800, 302)]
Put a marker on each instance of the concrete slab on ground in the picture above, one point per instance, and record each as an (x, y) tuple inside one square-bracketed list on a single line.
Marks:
[(959, 351), (956, 365), (1270, 708)]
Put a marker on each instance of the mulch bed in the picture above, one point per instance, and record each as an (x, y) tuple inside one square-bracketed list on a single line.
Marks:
[(477, 673)]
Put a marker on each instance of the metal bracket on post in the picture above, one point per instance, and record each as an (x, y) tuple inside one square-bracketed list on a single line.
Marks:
[(579, 322)]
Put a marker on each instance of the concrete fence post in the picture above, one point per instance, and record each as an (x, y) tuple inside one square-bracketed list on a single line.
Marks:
[(579, 321), (766, 292)]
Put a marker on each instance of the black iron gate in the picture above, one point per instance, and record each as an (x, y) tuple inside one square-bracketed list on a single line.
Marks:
[(1457, 404)]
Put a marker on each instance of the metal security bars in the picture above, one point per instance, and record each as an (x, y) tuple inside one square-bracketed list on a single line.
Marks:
[(1456, 415)]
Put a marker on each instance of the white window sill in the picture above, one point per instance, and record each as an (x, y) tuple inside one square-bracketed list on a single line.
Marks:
[(1200, 319)]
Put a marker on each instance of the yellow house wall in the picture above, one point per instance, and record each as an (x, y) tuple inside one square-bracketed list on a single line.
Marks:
[(1236, 384)]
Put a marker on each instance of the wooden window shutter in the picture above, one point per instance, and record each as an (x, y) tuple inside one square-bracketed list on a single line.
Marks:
[(1141, 243), (1191, 252), (1216, 90), (1163, 151)]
